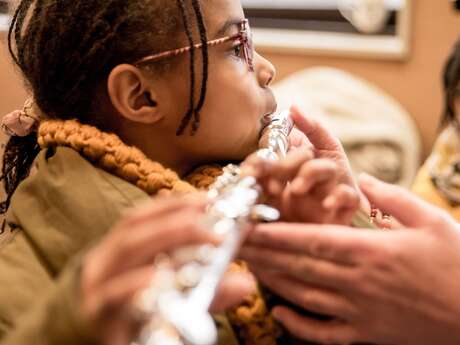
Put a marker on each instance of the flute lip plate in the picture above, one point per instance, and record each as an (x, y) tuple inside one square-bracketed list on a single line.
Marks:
[(268, 119), (279, 118)]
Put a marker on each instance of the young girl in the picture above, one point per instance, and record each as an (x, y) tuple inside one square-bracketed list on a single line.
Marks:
[(133, 99), (438, 181)]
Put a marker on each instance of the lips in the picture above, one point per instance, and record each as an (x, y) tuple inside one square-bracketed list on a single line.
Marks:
[(267, 117)]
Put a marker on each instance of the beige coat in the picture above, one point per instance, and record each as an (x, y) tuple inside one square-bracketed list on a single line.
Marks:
[(59, 212)]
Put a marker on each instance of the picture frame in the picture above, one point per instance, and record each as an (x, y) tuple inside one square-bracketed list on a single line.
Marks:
[(395, 46)]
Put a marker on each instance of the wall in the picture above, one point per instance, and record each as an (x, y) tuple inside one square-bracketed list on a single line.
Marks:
[(415, 82), (12, 91)]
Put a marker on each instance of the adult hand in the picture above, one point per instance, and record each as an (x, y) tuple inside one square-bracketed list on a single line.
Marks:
[(123, 264), (387, 287)]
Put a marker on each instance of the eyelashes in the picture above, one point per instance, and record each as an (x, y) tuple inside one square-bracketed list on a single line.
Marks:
[(238, 49)]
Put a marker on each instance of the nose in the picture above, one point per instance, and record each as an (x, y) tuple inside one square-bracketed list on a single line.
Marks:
[(265, 70)]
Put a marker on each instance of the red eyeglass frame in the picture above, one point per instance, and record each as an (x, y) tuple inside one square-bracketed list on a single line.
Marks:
[(244, 36)]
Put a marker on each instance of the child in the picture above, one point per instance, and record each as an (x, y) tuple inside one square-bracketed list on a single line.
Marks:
[(438, 181), (126, 113)]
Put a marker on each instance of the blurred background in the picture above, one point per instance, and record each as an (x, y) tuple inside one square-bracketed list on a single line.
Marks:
[(371, 69)]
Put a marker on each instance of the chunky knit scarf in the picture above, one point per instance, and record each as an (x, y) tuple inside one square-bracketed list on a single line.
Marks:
[(251, 319)]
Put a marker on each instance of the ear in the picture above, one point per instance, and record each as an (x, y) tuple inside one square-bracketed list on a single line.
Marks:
[(132, 95)]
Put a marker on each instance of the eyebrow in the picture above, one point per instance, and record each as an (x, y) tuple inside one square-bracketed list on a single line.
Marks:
[(227, 25)]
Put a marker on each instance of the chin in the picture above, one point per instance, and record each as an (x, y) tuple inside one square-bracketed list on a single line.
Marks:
[(247, 147)]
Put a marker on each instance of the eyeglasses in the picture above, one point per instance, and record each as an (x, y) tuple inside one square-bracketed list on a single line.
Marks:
[(243, 37)]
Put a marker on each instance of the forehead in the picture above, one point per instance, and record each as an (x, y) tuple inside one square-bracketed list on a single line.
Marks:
[(219, 12)]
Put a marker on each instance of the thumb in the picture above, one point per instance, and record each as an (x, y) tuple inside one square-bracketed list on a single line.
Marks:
[(235, 287), (318, 135), (408, 209)]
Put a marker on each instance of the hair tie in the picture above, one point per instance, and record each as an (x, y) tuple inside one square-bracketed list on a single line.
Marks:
[(20, 123)]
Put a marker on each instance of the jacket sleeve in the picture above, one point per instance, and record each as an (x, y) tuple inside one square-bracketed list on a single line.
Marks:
[(34, 307)]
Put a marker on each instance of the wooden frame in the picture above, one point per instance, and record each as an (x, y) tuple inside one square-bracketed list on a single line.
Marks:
[(340, 44)]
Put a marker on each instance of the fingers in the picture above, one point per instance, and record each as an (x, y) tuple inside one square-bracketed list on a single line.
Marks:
[(288, 167), (308, 297), (326, 242), (234, 288), (323, 332), (283, 170), (345, 201), (161, 206), (158, 227), (166, 234), (302, 267), (114, 295), (409, 210), (273, 176), (162, 236), (319, 174), (343, 196), (318, 135), (298, 139)]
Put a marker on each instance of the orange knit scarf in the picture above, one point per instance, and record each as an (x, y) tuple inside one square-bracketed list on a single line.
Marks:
[(251, 319)]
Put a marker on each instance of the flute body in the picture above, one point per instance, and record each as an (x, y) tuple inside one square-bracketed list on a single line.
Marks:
[(178, 300)]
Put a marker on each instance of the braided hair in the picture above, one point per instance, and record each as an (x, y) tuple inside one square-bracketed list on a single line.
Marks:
[(451, 81), (195, 111), (66, 49)]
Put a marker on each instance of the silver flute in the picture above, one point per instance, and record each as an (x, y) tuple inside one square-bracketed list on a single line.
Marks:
[(185, 282)]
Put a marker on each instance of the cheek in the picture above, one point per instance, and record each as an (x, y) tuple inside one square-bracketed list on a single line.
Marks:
[(235, 114), (175, 100), (230, 118), (235, 97)]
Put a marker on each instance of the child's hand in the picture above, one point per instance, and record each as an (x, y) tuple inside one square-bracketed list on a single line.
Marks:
[(316, 195), (123, 264), (312, 134), (305, 189)]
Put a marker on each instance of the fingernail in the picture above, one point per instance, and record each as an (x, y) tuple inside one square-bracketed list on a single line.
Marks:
[(329, 202)]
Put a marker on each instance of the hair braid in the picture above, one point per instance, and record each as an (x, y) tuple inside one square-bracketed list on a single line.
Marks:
[(94, 53), (20, 152), (40, 14), (96, 27), (29, 38), (188, 116), (204, 82), (16, 28), (11, 30)]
